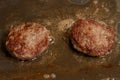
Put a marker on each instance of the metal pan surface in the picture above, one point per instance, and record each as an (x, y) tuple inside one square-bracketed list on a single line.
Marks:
[(60, 61)]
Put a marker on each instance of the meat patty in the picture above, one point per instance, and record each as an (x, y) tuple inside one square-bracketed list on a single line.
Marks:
[(27, 40), (91, 37)]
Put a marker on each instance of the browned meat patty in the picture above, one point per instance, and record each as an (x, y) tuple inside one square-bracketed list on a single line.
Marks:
[(27, 40), (91, 37)]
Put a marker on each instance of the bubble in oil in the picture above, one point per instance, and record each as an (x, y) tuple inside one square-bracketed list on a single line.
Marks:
[(110, 78), (52, 40)]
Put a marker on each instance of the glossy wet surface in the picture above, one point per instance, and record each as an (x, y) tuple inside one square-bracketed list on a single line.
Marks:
[(60, 61)]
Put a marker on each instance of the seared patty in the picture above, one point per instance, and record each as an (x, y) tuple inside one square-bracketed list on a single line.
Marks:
[(27, 40), (91, 37)]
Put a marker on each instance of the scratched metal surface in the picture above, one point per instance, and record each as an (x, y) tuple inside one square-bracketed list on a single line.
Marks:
[(61, 61)]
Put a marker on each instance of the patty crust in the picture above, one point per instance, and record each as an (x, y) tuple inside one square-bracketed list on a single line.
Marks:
[(27, 40), (92, 37)]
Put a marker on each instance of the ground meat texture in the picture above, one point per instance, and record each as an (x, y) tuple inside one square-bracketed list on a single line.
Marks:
[(27, 40), (91, 37)]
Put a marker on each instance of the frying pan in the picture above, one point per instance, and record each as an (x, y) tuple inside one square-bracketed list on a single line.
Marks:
[(60, 61)]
